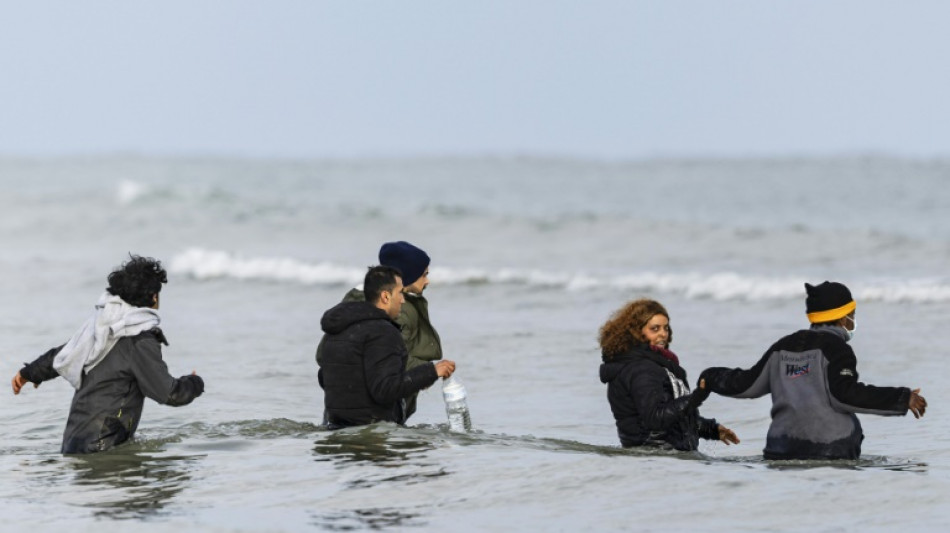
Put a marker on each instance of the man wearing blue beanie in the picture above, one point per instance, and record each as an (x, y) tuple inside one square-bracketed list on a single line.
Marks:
[(422, 340)]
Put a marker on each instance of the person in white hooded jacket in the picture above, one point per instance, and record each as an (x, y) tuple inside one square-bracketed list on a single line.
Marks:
[(113, 362)]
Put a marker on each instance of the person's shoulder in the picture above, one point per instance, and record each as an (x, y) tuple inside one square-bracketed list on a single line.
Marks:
[(154, 335), (409, 313), (639, 359), (355, 294)]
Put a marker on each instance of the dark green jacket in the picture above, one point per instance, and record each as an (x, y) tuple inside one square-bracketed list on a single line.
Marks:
[(422, 341)]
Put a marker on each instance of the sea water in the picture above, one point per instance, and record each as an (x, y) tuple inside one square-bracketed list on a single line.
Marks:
[(529, 258)]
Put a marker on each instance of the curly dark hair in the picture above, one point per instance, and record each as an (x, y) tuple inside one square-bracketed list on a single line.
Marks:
[(624, 329), (138, 281)]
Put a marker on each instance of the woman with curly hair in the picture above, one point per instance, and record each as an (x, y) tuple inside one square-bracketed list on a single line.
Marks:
[(114, 361), (647, 387)]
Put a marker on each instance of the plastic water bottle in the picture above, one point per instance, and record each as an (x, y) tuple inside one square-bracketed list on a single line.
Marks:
[(455, 405)]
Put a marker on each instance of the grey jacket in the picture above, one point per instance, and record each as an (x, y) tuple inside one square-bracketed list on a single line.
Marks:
[(812, 377), (107, 408)]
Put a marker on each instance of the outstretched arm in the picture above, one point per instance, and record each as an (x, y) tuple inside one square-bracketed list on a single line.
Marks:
[(153, 378), (850, 395), (38, 371), (739, 383)]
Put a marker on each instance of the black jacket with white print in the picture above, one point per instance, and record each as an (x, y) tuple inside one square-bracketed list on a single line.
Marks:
[(651, 401)]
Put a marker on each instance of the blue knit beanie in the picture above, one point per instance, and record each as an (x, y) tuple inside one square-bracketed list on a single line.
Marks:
[(407, 258)]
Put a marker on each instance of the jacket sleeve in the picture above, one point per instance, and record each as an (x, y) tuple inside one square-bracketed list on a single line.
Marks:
[(739, 383), (41, 369), (850, 395), (153, 378), (387, 380), (708, 428), (656, 411)]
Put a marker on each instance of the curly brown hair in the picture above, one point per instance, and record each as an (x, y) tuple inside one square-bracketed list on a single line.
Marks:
[(624, 328)]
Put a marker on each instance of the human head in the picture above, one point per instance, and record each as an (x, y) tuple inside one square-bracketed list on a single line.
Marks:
[(624, 329), (138, 281), (383, 288), (410, 260), (829, 303)]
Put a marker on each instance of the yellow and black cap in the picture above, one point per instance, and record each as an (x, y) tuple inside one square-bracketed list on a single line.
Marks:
[(827, 302)]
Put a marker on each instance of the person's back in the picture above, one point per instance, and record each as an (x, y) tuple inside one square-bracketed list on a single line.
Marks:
[(363, 357), (808, 420), (114, 362), (422, 341), (361, 345), (107, 408), (813, 380)]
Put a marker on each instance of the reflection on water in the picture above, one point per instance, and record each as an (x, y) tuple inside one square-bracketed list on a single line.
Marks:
[(381, 444), (374, 456), (869, 462), (127, 483), (375, 518), (865, 463)]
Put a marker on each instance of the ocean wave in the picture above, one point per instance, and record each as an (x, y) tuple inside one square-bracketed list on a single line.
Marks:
[(131, 192), (201, 264), (128, 191), (210, 264)]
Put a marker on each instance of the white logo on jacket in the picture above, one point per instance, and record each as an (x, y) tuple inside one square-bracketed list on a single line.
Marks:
[(680, 388)]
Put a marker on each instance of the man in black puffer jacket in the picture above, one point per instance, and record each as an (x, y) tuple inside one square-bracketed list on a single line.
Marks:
[(363, 365)]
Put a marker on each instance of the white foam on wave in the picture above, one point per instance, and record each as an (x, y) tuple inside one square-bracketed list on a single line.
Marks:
[(129, 191), (209, 264)]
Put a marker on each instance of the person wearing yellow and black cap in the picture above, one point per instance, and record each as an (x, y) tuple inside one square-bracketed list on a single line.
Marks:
[(813, 380)]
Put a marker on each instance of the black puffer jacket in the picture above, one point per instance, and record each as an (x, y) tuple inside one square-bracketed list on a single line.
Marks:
[(107, 408), (650, 400), (363, 367)]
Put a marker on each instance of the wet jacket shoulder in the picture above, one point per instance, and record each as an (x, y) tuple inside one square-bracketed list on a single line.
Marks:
[(651, 402), (353, 295), (812, 378), (363, 366), (107, 408)]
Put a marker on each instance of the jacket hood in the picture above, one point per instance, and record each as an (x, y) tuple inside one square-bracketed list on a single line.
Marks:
[(612, 366), (345, 314)]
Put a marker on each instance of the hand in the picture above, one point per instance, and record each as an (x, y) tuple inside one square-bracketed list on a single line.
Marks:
[(702, 384), (18, 383), (444, 369), (917, 404), (727, 435)]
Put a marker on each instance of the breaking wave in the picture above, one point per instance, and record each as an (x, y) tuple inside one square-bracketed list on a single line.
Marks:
[(203, 264)]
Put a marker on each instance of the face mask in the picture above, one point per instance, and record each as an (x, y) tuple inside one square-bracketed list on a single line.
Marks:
[(854, 328)]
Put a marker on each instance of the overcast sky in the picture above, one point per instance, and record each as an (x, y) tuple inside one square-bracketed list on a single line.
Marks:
[(608, 78)]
